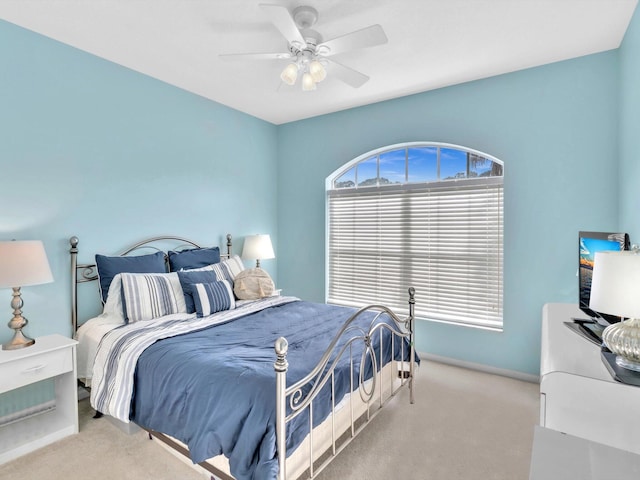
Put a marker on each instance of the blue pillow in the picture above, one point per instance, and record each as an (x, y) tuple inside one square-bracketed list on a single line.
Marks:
[(194, 258), (188, 278), (213, 297), (109, 267)]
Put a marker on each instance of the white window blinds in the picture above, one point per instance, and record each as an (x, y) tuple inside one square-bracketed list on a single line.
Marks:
[(444, 238)]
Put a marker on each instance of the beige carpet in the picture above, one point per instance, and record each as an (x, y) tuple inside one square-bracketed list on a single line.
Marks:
[(464, 425)]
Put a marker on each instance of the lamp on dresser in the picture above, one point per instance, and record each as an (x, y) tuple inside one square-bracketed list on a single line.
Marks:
[(258, 247), (615, 289), (22, 263)]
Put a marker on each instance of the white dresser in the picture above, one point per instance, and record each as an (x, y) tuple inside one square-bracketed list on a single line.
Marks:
[(578, 396), (559, 456), (52, 356)]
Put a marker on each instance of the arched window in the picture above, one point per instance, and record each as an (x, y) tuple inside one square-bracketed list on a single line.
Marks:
[(427, 215)]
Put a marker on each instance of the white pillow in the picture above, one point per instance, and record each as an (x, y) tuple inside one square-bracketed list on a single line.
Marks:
[(113, 305)]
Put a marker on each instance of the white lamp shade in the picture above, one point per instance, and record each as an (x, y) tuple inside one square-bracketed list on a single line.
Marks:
[(615, 285), (317, 71), (289, 74), (308, 83), (23, 263), (258, 247)]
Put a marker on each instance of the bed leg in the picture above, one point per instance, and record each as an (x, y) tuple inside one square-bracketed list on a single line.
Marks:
[(281, 367)]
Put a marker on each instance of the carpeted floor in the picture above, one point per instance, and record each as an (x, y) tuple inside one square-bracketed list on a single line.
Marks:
[(465, 425)]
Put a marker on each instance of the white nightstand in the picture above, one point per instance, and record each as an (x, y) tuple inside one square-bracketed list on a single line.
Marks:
[(53, 356)]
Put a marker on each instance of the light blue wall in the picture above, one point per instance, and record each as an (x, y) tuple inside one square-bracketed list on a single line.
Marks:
[(630, 130), (92, 149), (555, 128)]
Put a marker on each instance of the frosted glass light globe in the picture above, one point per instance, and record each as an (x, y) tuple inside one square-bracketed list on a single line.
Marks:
[(317, 71), (308, 83), (290, 74)]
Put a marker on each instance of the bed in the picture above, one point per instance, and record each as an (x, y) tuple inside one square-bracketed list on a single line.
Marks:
[(263, 389)]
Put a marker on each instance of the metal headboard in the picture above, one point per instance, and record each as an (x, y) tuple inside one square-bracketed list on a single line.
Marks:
[(87, 272)]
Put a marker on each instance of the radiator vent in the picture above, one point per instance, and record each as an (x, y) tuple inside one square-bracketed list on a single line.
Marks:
[(27, 401), (28, 412)]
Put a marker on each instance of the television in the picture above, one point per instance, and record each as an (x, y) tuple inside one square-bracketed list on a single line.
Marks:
[(588, 244)]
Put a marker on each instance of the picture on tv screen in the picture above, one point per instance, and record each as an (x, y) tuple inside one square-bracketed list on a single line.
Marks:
[(589, 244)]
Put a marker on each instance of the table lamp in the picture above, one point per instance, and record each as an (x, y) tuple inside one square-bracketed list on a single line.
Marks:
[(22, 263), (258, 247), (615, 289)]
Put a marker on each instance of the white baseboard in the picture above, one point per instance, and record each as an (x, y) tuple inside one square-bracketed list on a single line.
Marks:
[(527, 377)]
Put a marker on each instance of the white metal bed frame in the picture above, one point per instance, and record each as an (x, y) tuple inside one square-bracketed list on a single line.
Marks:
[(322, 374)]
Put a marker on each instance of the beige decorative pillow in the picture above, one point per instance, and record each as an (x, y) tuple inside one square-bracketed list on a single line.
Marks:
[(252, 284)]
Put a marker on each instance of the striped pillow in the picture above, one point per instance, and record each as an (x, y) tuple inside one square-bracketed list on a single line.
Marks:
[(226, 270), (146, 297), (212, 297), (232, 267), (194, 276)]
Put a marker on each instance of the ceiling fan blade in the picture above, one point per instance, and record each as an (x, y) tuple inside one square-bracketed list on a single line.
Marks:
[(282, 19), (347, 75), (255, 56), (366, 37)]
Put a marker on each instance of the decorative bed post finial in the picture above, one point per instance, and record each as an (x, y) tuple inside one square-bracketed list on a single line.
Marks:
[(281, 348)]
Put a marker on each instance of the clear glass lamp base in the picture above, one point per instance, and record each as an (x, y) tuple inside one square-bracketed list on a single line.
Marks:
[(623, 339), (628, 364)]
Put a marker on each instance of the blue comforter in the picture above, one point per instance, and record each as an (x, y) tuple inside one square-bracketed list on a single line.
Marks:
[(214, 389)]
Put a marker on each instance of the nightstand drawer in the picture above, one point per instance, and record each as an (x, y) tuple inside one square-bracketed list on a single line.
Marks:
[(32, 369)]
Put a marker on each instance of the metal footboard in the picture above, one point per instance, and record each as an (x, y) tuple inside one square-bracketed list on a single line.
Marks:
[(297, 399)]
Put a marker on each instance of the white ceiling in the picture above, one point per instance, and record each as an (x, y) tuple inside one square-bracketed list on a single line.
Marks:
[(432, 43)]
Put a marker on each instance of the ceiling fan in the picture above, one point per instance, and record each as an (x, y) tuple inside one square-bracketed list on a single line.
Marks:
[(309, 55)]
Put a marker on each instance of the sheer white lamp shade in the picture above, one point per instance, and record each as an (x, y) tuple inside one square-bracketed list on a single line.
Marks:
[(308, 83), (258, 247), (615, 289), (317, 71), (289, 74), (23, 263)]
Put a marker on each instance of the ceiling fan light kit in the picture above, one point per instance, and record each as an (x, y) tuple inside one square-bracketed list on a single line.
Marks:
[(308, 54), (311, 67)]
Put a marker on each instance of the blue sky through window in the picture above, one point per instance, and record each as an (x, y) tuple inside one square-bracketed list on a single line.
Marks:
[(368, 172), (453, 163), (423, 164), (393, 166), (417, 165)]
